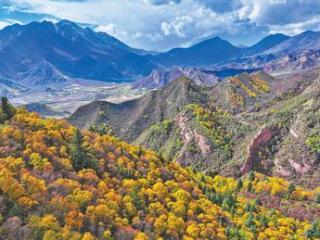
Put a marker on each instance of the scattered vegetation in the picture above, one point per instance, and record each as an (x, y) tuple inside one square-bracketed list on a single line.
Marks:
[(259, 84), (164, 137), (313, 143), (102, 129), (235, 98), (237, 83), (212, 124)]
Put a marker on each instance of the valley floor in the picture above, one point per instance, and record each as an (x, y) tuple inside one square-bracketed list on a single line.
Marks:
[(65, 99)]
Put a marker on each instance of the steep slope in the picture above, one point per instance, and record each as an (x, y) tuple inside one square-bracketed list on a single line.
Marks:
[(9, 88), (278, 119), (283, 137), (266, 43), (197, 137), (244, 92), (40, 53), (298, 158), (141, 113), (44, 110), (304, 41)]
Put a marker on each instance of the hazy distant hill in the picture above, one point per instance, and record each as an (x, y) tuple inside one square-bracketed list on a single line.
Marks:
[(266, 43), (304, 41), (214, 51), (210, 51), (159, 78), (10, 88)]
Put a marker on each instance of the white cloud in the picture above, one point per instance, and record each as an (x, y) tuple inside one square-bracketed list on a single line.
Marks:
[(166, 28), (3, 24), (177, 26), (163, 24), (161, 2), (281, 12), (296, 28), (112, 30), (169, 23), (7, 22)]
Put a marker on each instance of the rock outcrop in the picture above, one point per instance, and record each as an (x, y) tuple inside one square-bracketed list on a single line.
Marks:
[(258, 142)]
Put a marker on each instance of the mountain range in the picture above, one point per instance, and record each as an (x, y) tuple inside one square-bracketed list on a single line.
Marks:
[(216, 50), (44, 53)]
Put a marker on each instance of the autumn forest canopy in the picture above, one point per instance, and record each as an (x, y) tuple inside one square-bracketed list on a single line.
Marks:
[(57, 182)]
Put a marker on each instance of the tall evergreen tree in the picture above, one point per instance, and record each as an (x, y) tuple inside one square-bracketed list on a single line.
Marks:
[(6, 109), (252, 175), (78, 154), (291, 189), (239, 184), (314, 231), (318, 198)]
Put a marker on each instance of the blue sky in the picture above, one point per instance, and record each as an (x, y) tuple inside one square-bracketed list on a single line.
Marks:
[(164, 24)]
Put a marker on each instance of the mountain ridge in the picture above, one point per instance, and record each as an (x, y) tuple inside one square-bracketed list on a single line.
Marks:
[(266, 43), (308, 40), (141, 113)]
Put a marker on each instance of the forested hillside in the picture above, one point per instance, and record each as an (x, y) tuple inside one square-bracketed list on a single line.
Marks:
[(57, 182), (248, 122)]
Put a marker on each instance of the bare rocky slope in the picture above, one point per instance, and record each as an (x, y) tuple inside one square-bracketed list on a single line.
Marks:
[(129, 119), (247, 122)]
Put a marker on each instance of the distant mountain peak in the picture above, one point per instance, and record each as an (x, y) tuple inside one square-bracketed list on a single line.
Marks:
[(214, 40), (277, 34), (70, 26), (266, 43), (308, 40), (65, 22), (309, 32), (70, 49)]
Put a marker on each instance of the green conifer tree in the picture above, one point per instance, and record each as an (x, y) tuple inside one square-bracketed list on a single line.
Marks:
[(78, 155), (7, 111)]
